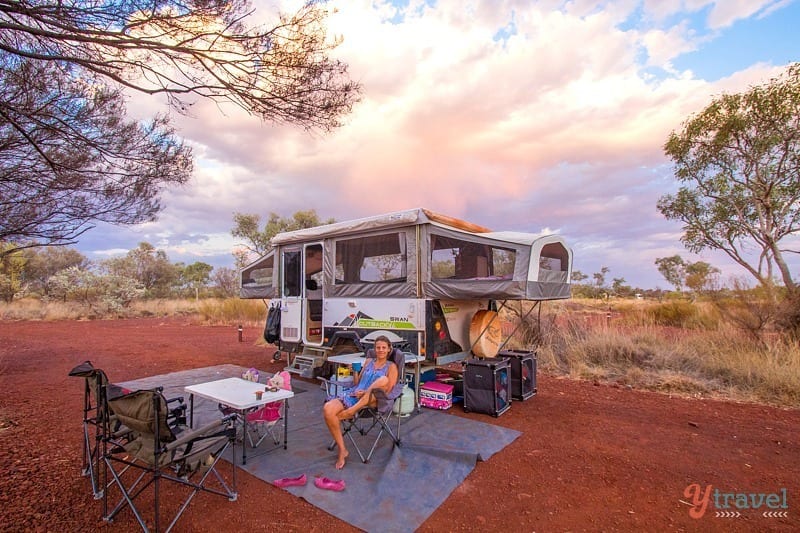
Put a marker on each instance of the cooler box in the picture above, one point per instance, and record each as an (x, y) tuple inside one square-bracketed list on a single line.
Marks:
[(523, 372), (424, 377), (436, 395), (486, 386)]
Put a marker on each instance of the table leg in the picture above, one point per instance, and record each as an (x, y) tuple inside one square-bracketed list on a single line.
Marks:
[(285, 423), (417, 384), (244, 438), (191, 411)]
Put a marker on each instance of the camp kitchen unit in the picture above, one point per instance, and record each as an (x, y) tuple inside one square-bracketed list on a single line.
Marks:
[(430, 281)]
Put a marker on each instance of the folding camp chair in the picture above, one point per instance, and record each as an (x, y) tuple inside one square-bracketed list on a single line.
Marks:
[(163, 451), (377, 419), (267, 421), (95, 418)]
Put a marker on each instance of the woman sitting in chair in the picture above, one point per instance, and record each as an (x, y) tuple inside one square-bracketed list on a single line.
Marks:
[(378, 373)]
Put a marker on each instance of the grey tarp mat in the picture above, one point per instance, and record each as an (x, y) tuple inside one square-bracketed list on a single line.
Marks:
[(400, 487)]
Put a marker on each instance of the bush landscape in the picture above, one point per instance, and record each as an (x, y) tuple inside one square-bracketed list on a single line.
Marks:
[(674, 346)]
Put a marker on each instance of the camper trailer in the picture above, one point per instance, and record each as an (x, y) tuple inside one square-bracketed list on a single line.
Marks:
[(432, 283)]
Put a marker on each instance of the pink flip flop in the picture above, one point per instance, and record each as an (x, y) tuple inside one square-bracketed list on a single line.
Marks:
[(329, 484), (290, 481)]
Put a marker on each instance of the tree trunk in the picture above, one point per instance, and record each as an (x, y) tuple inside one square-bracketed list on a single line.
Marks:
[(786, 274)]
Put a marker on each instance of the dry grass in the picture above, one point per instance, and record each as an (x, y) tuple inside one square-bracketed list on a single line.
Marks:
[(233, 311), (212, 311), (33, 309), (714, 362)]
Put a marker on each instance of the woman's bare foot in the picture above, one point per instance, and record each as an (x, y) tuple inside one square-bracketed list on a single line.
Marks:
[(341, 459)]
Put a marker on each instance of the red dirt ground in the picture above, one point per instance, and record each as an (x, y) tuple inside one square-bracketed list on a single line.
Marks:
[(591, 458)]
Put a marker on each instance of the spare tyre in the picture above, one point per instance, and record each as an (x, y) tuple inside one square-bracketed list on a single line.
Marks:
[(485, 334)]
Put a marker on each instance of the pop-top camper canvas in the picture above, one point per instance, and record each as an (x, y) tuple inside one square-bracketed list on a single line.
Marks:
[(416, 274)]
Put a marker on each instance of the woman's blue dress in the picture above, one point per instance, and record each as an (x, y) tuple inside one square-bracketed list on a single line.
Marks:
[(368, 376)]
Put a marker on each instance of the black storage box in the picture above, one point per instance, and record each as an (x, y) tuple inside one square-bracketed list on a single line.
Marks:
[(523, 372), (486, 386)]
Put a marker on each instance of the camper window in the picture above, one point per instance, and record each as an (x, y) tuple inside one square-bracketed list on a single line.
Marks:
[(260, 273), (313, 269), (460, 259), (372, 259), (553, 257), (291, 273)]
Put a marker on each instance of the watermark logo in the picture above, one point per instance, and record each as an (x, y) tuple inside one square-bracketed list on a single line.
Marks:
[(734, 504)]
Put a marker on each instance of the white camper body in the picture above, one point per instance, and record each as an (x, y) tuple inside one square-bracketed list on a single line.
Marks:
[(415, 274)]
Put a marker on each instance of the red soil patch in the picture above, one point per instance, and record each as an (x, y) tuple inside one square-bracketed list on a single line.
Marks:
[(590, 457)]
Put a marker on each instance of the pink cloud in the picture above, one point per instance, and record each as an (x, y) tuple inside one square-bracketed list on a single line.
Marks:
[(557, 125)]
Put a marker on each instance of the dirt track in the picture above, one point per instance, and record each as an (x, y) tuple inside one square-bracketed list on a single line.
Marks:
[(590, 458)]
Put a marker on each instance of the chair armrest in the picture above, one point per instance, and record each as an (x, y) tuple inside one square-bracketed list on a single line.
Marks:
[(331, 385), (393, 394), (385, 400), (209, 430), (328, 384)]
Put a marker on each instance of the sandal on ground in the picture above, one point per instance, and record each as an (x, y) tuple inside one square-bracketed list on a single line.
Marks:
[(329, 484), (290, 481)]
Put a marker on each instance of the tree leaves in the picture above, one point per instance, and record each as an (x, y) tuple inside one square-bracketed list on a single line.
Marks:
[(69, 156), (739, 164)]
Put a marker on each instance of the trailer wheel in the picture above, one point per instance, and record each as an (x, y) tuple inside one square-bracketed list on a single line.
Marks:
[(276, 356)]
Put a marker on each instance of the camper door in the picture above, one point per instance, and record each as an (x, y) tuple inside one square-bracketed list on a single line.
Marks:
[(312, 290), (302, 294), (291, 286)]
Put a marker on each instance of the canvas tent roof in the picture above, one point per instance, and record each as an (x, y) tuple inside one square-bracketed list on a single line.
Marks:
[(408, 217), (541, 270)]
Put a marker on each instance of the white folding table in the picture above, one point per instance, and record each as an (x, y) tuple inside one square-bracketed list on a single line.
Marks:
[(240, 395)]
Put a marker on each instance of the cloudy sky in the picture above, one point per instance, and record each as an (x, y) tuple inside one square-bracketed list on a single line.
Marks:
[(537, 116)]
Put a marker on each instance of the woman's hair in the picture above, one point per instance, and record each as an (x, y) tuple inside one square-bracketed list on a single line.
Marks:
[(385, 339)]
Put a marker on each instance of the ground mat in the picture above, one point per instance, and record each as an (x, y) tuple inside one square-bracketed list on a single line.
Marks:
[(400, 486)]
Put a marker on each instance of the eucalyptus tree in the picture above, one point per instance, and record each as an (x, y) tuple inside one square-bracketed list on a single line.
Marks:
[(256, 239), (738, 163)]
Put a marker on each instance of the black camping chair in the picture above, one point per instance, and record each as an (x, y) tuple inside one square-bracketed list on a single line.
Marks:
[(376, 420), (99, 422), (164, 451)]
